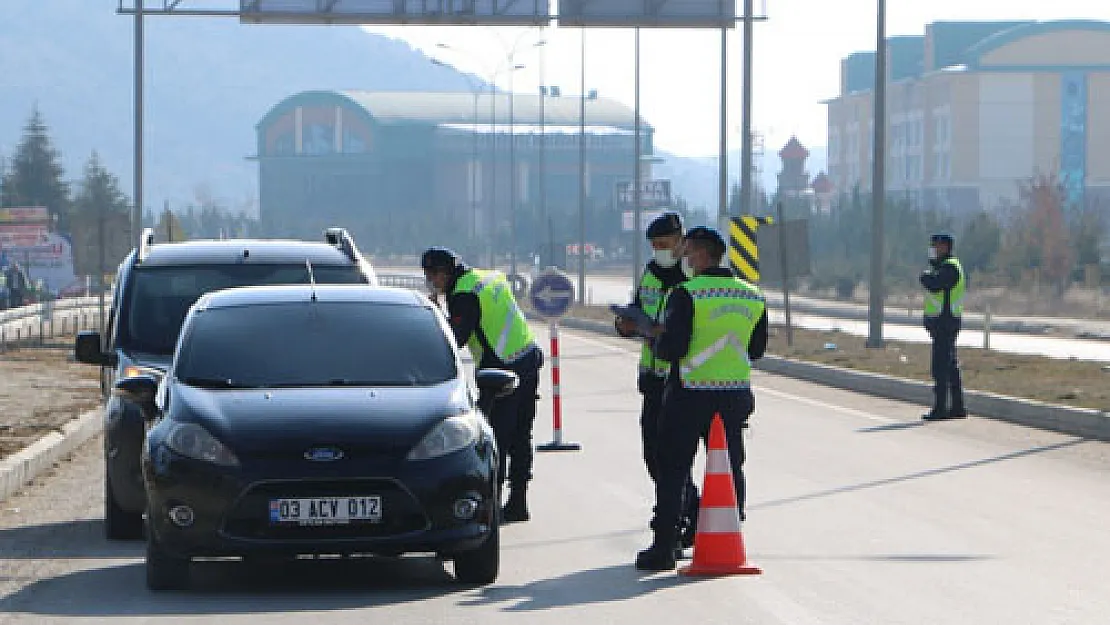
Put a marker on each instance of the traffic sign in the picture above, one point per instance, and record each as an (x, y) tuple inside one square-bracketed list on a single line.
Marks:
[(552, 293)]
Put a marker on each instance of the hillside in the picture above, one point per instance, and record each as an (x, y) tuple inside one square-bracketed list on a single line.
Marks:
[(208, 81)]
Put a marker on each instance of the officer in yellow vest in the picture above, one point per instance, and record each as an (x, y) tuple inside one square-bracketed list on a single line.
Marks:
[(486, 319), (714, 325), (945, 285), (662, 273)]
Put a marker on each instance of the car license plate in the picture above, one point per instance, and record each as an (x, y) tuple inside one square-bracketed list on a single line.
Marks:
[(326, 510)]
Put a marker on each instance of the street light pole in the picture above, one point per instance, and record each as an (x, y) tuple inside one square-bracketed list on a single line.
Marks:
[(512, 169), (746, 190), (582, 176), (878, 185), (637, 199), (548, 258), (722, 156), (137, 209)]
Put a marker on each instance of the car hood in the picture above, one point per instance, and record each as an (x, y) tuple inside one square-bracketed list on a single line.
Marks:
[(264, 422)]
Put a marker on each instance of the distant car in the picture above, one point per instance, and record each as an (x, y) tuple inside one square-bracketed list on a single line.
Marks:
[(154, 288), (318, 420)]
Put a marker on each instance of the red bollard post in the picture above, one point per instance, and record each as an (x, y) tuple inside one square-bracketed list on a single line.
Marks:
[(557, 443)]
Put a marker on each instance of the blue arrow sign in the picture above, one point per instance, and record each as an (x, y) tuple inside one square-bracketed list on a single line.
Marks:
[(552, 293)]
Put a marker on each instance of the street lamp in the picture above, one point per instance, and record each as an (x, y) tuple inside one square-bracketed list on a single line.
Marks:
[(878, 185)]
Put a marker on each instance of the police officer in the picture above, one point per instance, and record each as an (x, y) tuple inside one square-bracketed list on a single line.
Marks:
[(661, 274), (485, 317), (714, 325), (945, 285)]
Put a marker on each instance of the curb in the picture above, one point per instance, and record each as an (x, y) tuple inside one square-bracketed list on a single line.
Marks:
[(18, 470), (1065, 419)]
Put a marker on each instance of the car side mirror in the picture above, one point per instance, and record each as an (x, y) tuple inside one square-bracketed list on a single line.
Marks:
[(139, 390), (497, 382), (86, 349)]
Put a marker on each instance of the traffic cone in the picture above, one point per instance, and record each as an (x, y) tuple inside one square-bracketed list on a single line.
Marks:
[(719, 544)]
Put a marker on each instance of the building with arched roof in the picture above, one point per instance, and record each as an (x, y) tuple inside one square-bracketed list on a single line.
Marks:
[(975, 108), (396, 165)]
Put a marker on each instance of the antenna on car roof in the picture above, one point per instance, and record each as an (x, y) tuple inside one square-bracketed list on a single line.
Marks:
[(311, 278)]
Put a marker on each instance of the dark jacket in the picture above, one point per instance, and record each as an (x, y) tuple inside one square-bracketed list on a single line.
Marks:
[(464, 312), (674, 343)]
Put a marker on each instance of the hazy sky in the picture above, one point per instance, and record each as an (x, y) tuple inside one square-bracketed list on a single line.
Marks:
[(796, 61)]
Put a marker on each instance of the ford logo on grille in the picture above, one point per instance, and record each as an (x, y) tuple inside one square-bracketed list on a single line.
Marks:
[(323, 454)]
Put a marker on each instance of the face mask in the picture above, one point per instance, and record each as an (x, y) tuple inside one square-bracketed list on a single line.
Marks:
[(932, 253), (665, 258), (431, 286), (686, 268)]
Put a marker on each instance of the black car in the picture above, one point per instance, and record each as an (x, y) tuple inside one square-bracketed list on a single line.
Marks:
[(154, 288), (300, 420)]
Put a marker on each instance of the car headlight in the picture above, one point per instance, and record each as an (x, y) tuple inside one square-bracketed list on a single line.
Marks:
[(189, 439), (451, 435), (131, 371)]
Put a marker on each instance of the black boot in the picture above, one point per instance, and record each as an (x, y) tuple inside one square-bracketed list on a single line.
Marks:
[(659, 556), (516, 508), (958, 411), (940, 405)]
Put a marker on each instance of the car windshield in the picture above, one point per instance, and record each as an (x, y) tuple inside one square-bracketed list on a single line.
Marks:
[(304, 344), (161, 296)]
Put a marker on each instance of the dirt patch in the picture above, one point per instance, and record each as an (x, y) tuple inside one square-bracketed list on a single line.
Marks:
[(1067, 382), (40, 390)]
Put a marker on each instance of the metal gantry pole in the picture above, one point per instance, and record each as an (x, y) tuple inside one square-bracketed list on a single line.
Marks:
[(137, 209), (637, 197), (491, 218), (474, 171), (582, 176), (878, 185), (746, 190)]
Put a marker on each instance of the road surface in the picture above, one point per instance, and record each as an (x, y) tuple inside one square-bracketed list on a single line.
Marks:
[(858, 514)]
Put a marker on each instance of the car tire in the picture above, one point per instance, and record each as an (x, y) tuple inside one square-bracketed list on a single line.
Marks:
[(481, 565), (164, 571), (119, 524)]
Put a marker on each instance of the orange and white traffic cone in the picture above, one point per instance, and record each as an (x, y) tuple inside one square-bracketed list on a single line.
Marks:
[(719, 544)]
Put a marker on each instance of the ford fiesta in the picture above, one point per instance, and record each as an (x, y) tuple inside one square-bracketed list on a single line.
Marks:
[(317, 419)]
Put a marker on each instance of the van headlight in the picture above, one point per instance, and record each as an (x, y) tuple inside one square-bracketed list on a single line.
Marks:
[(451, 435), (193, 441)]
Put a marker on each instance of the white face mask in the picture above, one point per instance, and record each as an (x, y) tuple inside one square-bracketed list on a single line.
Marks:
[(665, 258), (686, 268), (431, 286), (932, 253)]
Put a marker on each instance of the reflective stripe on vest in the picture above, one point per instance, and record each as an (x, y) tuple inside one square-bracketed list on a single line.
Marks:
[(934, 302), (501, 317), (726, 310), (653, 298)]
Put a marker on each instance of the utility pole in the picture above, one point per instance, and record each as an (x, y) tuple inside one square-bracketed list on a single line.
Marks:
[(512, 169), (637, 183), (722, 155), (582, 176), (746, 191), (878, 185), (549, 257), (137, 209)]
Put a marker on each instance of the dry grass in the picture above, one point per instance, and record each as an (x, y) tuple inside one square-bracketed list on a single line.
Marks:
[(1068, 382)]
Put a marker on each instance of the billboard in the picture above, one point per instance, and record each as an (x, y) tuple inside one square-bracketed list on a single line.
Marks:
[(25, 215), (654, 194), (49, 259), (659, 14), (429, 12), (796, 237)]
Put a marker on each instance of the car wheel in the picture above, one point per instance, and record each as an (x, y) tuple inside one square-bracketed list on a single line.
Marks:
[(481, 565), (164, 571), (120, 524)]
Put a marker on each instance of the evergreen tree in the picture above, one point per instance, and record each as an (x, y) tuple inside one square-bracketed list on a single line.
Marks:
[(100, 220), (34, 175)]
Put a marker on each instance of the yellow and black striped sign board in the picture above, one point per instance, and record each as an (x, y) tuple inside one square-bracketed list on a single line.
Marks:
[(743, 251)]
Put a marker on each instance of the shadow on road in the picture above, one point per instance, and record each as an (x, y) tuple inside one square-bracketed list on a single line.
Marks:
[(903, 425), (918, 475), (611, 583), (78, 539), (239, 588)]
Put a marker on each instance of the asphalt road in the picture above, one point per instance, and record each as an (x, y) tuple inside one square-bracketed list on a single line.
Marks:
[(858, 514)]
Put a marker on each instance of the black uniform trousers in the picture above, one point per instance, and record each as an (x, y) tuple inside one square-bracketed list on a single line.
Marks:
[(652, 388), (948, 385), (512, 420), (687, 416)]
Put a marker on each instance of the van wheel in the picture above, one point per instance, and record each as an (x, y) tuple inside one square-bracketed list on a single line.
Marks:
[(119, 524)]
